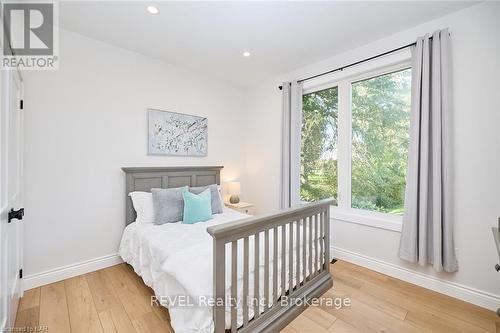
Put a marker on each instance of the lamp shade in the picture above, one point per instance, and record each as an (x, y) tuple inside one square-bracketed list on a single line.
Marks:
[(234, 188)]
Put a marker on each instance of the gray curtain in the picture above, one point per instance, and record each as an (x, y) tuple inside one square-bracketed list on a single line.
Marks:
[(291, 123), (427, 235), (285, 145)]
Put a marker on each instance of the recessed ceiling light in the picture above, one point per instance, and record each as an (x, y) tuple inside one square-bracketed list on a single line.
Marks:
[(153, 10), (246, 54)]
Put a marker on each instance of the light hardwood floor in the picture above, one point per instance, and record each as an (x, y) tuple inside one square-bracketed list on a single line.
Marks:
[(116, 300)]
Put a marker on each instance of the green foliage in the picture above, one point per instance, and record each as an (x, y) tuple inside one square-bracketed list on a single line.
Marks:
[(380, 136), (318, 176)]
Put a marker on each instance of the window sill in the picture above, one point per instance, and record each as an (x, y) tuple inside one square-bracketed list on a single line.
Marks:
[(371, 219)]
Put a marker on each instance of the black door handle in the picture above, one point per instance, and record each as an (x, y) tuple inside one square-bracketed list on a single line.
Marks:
[(16, 214), (497, 267)]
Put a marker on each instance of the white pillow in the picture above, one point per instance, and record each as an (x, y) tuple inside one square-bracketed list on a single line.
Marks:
[(221, 197), (143, 205)]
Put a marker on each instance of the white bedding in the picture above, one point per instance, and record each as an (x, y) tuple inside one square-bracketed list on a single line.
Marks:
[(175, 259)]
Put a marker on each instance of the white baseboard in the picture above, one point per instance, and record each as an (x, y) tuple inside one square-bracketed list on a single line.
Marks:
[(467, 294), (65, 272)]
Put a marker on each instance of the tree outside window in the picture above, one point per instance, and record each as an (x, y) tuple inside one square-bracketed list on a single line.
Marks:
[(380, 124), (319, 137)]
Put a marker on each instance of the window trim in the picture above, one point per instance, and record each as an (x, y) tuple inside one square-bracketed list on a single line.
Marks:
[(369, 218), (344, 211)]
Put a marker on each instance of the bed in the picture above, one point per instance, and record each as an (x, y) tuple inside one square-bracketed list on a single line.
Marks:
[(205, 273)]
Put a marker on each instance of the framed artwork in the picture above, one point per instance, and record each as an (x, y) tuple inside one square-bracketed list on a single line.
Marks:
[(171, 133)]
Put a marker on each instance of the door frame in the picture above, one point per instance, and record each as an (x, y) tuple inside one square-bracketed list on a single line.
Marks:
[(11, 79)]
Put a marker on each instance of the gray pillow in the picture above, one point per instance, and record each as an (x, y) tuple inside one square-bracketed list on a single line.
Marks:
[(168, 204), (217, 206)]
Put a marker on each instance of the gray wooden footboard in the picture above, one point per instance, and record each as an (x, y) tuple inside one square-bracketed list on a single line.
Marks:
[(300, 242)]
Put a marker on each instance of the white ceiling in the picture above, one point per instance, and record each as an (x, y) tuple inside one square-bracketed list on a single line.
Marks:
[(209, 37)]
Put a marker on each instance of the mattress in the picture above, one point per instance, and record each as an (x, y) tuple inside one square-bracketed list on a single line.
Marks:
[(175, 260)]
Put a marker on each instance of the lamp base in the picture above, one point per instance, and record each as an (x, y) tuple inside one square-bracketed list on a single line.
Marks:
[(234, 199)]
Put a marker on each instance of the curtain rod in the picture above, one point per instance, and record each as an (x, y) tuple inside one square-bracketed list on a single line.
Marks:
[(356, 63)]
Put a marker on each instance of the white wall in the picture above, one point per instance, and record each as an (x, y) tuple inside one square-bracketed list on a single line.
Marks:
[(476, 66), (86, 121)]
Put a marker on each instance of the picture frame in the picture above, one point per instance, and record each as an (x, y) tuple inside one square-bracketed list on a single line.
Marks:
[(176, 134)]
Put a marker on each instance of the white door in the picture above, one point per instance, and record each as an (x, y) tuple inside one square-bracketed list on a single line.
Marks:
[(11, 196)]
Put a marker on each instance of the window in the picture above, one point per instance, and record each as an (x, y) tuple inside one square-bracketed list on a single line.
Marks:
[(354, 141), (380, 135), (318, 153)]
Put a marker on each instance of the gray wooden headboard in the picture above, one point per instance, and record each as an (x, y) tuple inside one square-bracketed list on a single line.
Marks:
[(146, 178)]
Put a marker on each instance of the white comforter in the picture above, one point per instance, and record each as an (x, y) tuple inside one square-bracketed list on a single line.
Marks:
[(175, 260)]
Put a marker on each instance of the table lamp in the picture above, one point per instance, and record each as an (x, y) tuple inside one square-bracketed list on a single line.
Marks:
[(234, 189)]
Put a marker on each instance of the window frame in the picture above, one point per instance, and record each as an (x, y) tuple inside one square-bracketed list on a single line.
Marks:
[(344, 80), (317, 89)]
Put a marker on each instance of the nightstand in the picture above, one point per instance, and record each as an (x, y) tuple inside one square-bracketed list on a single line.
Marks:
[(242, 207)]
